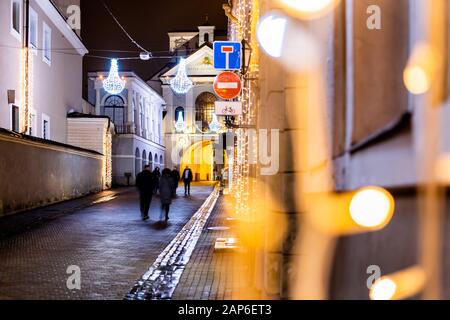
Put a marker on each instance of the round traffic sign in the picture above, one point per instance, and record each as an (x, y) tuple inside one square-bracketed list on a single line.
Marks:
[(227, 85)]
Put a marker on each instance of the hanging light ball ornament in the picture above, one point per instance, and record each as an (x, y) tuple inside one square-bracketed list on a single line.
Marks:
[(114, 84), (180, 125), (181, 84), (215, 126)]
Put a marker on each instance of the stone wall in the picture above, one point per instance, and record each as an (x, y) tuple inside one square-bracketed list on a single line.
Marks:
[(34, 172)]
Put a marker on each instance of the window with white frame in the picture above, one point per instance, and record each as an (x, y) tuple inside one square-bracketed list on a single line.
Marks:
[(33, 39), (32, 129), (45, 127), (16, 19), (47, 44), (15, 118)]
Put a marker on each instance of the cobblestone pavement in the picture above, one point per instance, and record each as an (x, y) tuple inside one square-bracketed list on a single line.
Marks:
[(212, 275), (160, 281), (108, 241)]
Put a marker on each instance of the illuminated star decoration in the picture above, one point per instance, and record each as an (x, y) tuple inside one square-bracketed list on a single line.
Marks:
[(113, 84), (180, 126), (214, 126), (181, 83)]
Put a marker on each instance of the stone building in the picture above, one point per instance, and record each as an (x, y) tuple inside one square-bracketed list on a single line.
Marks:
[(347, 121), (137, 114), (194, 145), (41, 83)]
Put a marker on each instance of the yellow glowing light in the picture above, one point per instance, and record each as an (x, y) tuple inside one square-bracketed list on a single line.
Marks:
[(403, 284), (421, 69), (383, 289), (308, 5), (308, 9), (416, 80), (371, 207)]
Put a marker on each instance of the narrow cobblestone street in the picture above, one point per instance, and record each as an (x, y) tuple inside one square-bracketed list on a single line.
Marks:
[(108, 241)]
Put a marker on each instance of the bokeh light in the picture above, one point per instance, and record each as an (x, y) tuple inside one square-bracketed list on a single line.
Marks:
[(383, 289), (372, 207)]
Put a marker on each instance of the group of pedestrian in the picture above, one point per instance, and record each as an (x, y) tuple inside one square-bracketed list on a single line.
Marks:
[(166, 182)]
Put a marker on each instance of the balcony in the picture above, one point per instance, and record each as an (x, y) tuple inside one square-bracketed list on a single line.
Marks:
[(125, 129)]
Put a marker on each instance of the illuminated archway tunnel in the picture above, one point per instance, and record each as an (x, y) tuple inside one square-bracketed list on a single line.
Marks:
[(200, 158)]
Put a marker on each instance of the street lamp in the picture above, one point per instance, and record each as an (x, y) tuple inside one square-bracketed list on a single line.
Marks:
[(247, 52)]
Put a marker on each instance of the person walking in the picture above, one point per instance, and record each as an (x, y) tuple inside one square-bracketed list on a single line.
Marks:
[(157, 175), (187, 179), (145, 183), (175, 179), (165, 192)]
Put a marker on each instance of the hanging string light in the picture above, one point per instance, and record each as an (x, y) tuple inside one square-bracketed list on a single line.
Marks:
[(215, 126), (180, 125), (181, 84), (113, 84)]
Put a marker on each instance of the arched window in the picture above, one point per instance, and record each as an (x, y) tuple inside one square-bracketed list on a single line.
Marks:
[(137, 162), (161, 160), (156, 159), (115, 110), (177, 113), (144, 159), (150, 160), (204, 108), (206, 37)]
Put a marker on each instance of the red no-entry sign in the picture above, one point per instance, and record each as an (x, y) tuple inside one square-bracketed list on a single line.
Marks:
[(227, 85)]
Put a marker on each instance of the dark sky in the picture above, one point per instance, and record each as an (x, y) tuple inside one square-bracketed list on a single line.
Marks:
[(148, 22)]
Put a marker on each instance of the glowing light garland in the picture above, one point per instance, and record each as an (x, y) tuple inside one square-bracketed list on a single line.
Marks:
[(181, 84), (215, 126), (113, 84), (247, 12), (180, 125)]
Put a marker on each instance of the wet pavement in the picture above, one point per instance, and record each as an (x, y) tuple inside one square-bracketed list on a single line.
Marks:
[(160, 281), (108, 241)]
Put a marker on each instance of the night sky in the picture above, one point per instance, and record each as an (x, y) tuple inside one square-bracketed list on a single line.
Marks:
[(148, 22)]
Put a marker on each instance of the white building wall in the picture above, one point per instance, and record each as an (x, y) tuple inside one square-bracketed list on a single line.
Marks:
[(55, 87)]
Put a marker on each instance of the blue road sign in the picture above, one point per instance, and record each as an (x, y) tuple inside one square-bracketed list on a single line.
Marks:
[(227, 55)]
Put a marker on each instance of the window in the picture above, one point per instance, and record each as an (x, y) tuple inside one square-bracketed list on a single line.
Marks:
[(137, 162), (204, 109), (33, 29), (16, 19), (15, 117), (32, 130), (115, 110), (144, 159), (178, 111), (47, 44), (45, 127), (380, 99)]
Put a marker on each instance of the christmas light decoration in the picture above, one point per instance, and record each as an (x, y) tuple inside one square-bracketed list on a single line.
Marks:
[(114, 84), (215, 126), (181, 84), (180, 125)]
